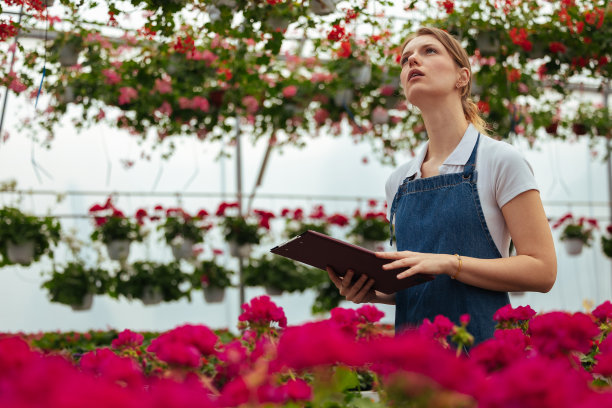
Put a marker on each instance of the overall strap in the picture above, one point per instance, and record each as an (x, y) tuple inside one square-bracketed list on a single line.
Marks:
[(471, 163)]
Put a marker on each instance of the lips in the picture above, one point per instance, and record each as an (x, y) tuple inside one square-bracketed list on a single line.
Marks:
[(414, 73)]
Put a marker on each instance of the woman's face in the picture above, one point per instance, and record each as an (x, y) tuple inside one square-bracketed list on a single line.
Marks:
[(428, 71)]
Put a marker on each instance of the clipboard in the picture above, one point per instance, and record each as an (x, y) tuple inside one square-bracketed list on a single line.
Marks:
[(320, 250)]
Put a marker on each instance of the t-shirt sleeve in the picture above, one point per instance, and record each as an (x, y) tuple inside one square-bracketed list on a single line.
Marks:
[(390, 189), (514, 175)]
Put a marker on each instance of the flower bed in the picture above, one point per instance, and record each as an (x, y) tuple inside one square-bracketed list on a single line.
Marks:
[(555, 359)]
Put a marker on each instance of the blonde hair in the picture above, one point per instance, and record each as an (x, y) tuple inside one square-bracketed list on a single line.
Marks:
[(456, 51)]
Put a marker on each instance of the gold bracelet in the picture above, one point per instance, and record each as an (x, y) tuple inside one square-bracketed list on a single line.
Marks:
[(454, 276)]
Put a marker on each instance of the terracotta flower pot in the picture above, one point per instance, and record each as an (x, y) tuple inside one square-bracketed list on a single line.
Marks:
[(20, 253), (579, 129)]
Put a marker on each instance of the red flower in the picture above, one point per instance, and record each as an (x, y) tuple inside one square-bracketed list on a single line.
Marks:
[(514, 75), (338, 219), (370, 313), (184, 345), (558, 333), (317, 213), (298, 214), (337, 33), (127, 339), (557, 47), (603, 312), (350, 15), (519, 37), (224, 206), (507, 347), (509, 314), (96, 207), (448, 5), (484, 107), (285, 212), (141, 213), (345, 49)]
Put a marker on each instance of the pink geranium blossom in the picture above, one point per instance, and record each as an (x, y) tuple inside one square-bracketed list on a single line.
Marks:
[(507, 347), (110, 367), (111, 77), (603, 312), (127, 94), (127, 338), (558, 333), (201, 103), (261, 311), (508, 314), (184, 345), (163, 86), (290, 91), (16, 85), (370, 313)]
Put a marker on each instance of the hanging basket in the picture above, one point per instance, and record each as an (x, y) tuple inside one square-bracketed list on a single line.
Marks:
[(118, 250), (322, 7), (85, 303), (273, 291), (487, 42), (361, 75), (278, 23), (213, 294), (22, 254), (573, 246), (242, 251), (49, 3), (151, 296), (183, 250), (343, 97), (68, 55)]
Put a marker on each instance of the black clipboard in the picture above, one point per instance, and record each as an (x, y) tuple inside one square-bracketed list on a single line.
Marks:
[(320, 250)]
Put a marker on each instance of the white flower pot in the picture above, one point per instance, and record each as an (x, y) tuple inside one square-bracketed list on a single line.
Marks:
[(151, 296), (68, 95), (371, 245), (278, 23), (68, 55), (361, 75), (227, 3), (273, 291), (182, 249), (243, 251), (573, 246), (343, 97), (213, 294), (49, 3), (488, 43), (118, 250), (380, 116), (85, 303), (322, 7), (20, 253)]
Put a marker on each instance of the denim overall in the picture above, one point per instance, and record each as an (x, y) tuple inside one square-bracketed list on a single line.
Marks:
[(442, 215)]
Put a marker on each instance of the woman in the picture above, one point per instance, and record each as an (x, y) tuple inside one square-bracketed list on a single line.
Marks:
[(457, 204)]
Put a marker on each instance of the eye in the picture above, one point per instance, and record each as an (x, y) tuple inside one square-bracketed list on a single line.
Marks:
[(404, 60), (430, 50)]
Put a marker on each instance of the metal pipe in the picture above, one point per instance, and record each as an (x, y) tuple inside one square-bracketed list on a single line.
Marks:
[(6, 87)]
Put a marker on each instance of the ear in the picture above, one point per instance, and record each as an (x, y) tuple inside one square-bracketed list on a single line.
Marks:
[(463, 76)]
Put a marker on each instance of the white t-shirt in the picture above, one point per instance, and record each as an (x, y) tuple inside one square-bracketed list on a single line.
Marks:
[(503, 173)]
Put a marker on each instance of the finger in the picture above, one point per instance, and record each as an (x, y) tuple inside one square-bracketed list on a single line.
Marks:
[(409, 272), (394, 254), (364, 291), (401, 263), (346, 280), (354, 289), (334, 277)]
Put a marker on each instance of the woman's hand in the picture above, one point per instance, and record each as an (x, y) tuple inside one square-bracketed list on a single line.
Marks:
[(359, 291), (419, 262)]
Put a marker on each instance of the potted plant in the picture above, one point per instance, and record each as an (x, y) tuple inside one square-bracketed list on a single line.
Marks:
[(182, 231), (278, 274), (296, 223), (213, 279), (75, 284), (25, 238), (606, 242), (240, 232), (370, 230), (115, 230), (151, 282), (576, 234)]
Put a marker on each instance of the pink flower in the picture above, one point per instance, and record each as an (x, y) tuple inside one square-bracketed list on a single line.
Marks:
[(380, 115), (370, 313), (507, 347), (290, 91), (298, 390), (261, 311), (164, 110), (250, 103), (534, 383), (603, 360), (184, 345), (558, 333), (127, 94), (509, 314), (603, 312), (387, 90), (112, 77), (110, 367), (441, 328), (346, 319), (320, 116), (317, 213), (163, 86), (127, 339), (201, 103), (16, 85)]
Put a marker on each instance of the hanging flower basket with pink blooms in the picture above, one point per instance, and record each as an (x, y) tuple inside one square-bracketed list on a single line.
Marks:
[(576, 233)]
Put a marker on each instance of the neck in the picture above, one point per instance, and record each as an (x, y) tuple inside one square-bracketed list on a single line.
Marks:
[(445, 126)]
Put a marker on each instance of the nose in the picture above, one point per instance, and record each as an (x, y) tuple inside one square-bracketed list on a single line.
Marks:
[(413, 60)]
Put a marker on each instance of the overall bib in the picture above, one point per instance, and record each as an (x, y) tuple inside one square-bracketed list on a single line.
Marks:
[(443, 215)]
